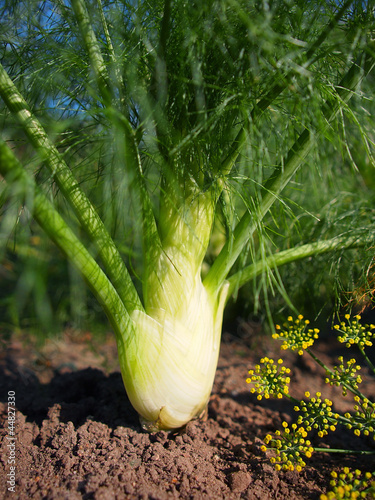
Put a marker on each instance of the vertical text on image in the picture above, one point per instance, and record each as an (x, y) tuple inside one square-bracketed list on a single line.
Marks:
[(11, 438)]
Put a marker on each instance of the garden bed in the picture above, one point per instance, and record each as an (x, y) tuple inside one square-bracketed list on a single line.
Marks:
[(78, 437)]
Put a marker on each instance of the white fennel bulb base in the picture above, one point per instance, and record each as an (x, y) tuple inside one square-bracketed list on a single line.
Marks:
[(170, 364), (169, 360)]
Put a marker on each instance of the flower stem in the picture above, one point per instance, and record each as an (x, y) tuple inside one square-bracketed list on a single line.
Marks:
[(368, 361), (349, 452), (291, 398)]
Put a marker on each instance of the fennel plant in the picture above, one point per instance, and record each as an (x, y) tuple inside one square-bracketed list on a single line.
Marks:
[(188, 115)]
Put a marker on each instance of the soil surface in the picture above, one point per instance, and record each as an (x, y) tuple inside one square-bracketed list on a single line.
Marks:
[(76, 435)]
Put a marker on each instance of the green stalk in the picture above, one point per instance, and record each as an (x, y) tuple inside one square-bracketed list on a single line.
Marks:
[(291, 398), (281, 177), (294, 254), (348, 452), (249, 222), (106, 31), (368, 361), (92, 47), (151, 237), (84, 210), (56, 228)]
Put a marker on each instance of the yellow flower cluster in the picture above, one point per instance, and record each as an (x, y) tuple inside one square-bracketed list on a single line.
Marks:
[(351, 485), (352, 332), (290, 446), (363, 421), (344, 376), (295, 335), (317, 414), (269, 379)]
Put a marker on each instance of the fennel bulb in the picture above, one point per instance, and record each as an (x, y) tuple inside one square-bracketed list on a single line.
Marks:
[(169, 364)]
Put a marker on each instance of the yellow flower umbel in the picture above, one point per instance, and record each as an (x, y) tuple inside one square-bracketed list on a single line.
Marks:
[(317, 414), (350, 485), (344, 375), (353, 333), (290, 447), (270, 379), (295, 334), (362, 421)]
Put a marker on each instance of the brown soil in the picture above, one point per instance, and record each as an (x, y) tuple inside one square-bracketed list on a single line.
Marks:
[(78, 437)]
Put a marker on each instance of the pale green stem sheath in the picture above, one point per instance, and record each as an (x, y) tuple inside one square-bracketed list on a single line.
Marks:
[(294, 254), (281, 176), (56, 228), (85, 212)]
